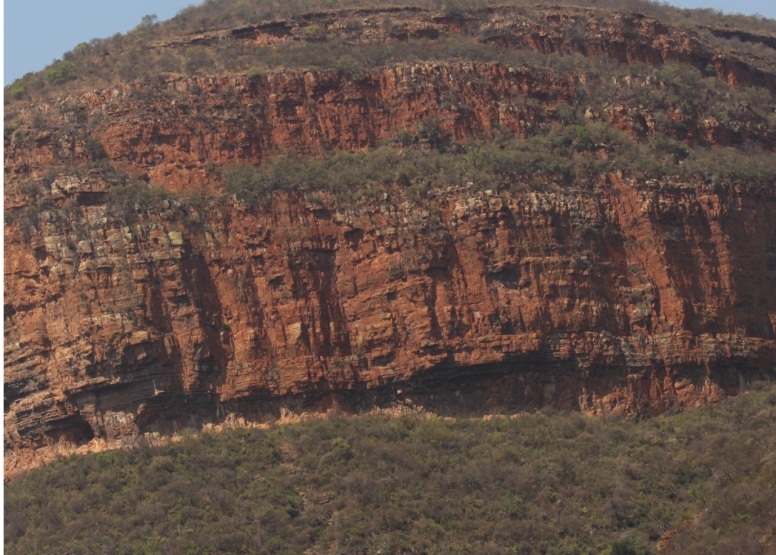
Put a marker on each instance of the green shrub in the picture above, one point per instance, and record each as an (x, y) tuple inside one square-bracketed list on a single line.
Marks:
[(128, 200), (314, 32), (582, 139), (348, 65), (60, 72), (254, 73), (81, 48), (16, 89), (148, 20), (629, 547), (455, 8)]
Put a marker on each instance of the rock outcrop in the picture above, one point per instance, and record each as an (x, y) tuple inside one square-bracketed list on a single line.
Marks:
[(621, 295), (624, 37), (178, 130)]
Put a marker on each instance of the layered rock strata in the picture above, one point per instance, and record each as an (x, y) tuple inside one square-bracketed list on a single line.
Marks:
[(178, 130), (619, 295)]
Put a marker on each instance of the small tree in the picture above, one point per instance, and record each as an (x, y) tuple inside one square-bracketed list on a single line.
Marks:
[(148, 20)]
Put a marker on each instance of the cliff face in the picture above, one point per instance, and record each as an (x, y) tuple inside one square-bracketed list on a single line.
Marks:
[(582, 299), (619, 295), (178, 131), (173, 130)]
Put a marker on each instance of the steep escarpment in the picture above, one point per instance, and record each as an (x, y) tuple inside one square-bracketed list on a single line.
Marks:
[(627, 269), (581, 298), (625, 37), (178, 130)]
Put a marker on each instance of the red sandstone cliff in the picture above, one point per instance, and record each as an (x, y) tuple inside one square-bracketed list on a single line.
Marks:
[(620, 295), (577, 298)]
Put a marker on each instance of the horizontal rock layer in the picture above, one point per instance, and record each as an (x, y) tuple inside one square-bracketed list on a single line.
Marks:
[(616, 297), (177, 131), (624, 37)]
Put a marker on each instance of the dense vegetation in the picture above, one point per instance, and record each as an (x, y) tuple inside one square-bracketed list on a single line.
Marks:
[(540, 483), (567, 155), (121, 58)]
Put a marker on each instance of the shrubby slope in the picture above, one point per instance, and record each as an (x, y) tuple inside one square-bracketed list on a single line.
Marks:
[(553, 483)]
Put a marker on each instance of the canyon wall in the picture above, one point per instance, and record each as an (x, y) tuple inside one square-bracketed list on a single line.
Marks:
[(177, 131)]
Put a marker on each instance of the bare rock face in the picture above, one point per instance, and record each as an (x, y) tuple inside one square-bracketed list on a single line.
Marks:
[(619, 296), (581, 299)]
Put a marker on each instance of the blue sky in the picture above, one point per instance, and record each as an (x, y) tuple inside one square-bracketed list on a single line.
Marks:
[(38, 31)]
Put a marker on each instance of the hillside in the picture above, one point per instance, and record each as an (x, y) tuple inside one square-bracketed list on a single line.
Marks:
[(695, 483), (232, 27), (241, 214)]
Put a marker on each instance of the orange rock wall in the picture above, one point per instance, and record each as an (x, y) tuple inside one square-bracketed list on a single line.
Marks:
[(617, 297), (177, 131)]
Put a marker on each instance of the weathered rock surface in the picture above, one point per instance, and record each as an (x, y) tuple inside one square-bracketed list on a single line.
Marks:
[(618, 296), (581, 299), (179, 131)]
